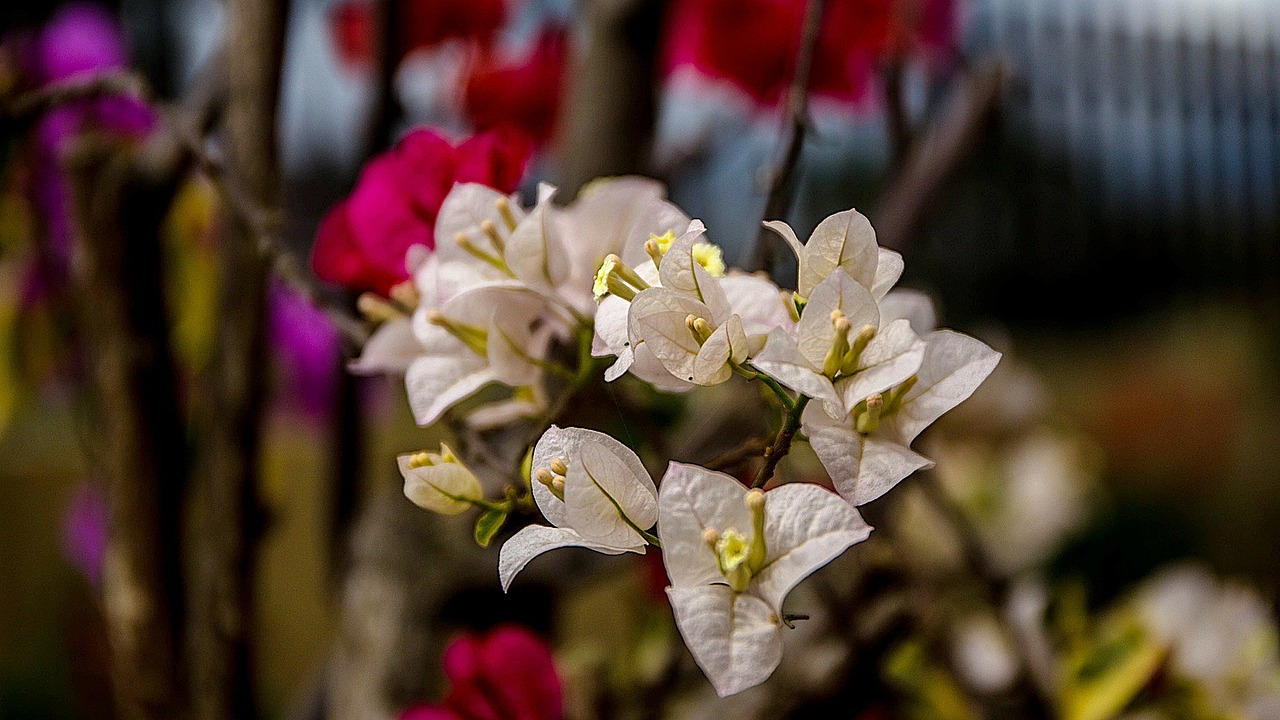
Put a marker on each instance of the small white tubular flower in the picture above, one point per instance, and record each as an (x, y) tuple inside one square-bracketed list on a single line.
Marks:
[(439, 482), (733, 555), (840, 353), (867, 452), (685, 337), (593, 490)]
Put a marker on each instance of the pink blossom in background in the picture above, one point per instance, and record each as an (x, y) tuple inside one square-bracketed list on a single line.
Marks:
[(362, 242), (507, 673), (306, 347), (84, 531), (521, 93)]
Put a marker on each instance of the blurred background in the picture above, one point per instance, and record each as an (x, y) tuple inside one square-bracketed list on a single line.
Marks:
[(1092, 186)]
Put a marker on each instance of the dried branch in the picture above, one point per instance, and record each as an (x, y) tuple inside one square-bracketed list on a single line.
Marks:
[(121, 198), (230, 516), (937, 156), (28, 107), (782, 185)]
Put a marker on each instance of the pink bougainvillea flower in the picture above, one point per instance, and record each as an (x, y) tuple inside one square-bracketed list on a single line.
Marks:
[(84, 531), (306, 347), (709, 36), (362, 242), (507, 673), (522, 93)]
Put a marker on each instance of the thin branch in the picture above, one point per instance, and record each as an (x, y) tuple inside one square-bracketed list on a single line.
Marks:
[(29, 106), (938, 155), (782, 443), (735, 457), (782, 184)]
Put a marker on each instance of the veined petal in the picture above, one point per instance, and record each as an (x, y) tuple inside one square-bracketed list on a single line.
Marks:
[(682, 273), (862, 467), (534, 540), (844, 240), (514, 350), (435, 487), (954, 365), (839, 291), (647, 367), (608, 491), (806, 527), (464, 208), (782, 360), (889, 267), (690, 500), (535, 252), (735, 638), (892, 356), (757, 301), (390, 350), (727, 342), (611, 327), (785, 232), (658, 318), (434, 383)]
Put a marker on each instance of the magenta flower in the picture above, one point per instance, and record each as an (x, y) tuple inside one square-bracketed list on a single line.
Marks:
[(506, 674), (306, 347), (362, 242)]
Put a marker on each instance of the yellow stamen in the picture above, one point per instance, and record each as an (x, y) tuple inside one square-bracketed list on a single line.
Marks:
[(491, 231), (376, 309), (504, 209)]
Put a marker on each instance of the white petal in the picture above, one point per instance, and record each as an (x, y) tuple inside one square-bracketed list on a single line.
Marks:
[(845, 240), (786, 233), (464, 208), (682, 273), (427, 486), (735, 639), (535, 252), (806, 527), (911, 305), (607, 486), (647, 367), (757, 301), (892, 356), (658, 318), (690, 500), (862, 468), (954, 365), (782, 361), (390, 350), (611, 327), (534, 540), (434, 383), (839, 291), (889, 268), (727, 342)]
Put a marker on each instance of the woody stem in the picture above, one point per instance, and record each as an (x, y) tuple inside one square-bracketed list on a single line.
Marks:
[(782, 443)]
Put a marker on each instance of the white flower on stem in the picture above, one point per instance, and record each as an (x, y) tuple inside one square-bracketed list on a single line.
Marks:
[(616, 216), (489, 333), (841, 353), (733, 555), (868, 451), (846, 241), (595, 493), (439, 482), (472, 231)]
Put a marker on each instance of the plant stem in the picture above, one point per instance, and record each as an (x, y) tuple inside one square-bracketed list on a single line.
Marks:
[(782, 443)]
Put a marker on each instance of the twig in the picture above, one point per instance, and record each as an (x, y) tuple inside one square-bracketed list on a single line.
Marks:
[(730, 459), (121, 199), (230, 513), (938, 155), (29, 106), (782, 184), (782, 443)]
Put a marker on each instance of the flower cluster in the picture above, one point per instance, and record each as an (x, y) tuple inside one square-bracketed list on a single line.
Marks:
[(629, 277)]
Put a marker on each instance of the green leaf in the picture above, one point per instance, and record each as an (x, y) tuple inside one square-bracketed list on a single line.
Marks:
[(489, 523)]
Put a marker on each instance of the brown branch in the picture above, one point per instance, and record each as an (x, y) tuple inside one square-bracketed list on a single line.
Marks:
[(783, 182), (937, 156), (735, 457), (782, 443), (29, 106), (228, 507), (121, 198)]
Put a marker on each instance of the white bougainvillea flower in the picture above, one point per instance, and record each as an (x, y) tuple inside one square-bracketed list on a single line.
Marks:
[(616, 216), (733, 555), (840, 353), (439, 482), (489, 333), (595, 493), (847, 241), (868, 451)]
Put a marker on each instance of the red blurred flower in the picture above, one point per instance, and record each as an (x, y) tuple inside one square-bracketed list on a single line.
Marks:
[(753, 43), (524, 94), (420, 24), (505, 674), (362, 242)]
